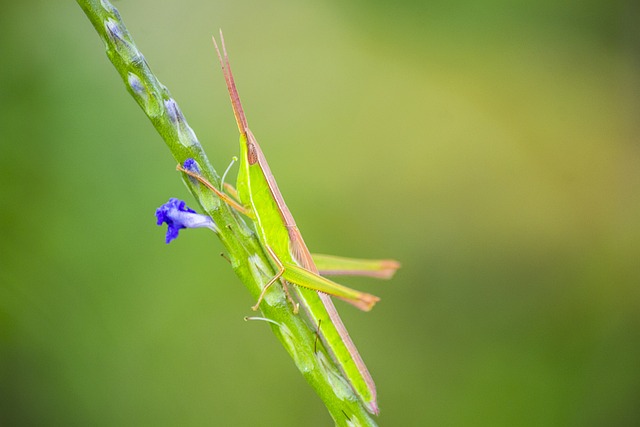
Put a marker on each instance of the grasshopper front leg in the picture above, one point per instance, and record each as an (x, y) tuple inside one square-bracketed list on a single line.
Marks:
[(224, 197)]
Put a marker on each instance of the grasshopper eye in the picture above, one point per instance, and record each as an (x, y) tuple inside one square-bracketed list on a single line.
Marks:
[(252, 155)]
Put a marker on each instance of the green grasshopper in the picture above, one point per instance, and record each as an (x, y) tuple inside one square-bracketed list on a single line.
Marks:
[(259, 198)]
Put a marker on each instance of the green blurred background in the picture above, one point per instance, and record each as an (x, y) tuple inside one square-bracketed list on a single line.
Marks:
[(491, 147)]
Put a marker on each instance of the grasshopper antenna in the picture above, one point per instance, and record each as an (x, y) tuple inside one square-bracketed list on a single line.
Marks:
[(238, 112)]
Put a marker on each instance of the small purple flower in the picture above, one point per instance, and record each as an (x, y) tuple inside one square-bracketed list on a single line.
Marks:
[(178, 215), (175, 114), (191, 165)]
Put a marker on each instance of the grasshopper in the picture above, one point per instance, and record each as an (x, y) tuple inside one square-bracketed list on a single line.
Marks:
[(257, 196)]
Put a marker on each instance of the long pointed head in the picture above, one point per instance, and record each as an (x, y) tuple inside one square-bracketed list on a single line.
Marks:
[(238, 112)]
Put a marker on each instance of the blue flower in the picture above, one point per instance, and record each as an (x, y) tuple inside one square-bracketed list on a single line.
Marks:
[(191, 165), (178, 215)]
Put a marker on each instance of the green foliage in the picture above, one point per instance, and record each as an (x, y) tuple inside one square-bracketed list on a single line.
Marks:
[(505, 144)]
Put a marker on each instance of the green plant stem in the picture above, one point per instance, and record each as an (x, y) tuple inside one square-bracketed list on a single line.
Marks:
[(247, 257)]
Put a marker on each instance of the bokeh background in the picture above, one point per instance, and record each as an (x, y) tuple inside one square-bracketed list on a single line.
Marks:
[(491, 147)]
